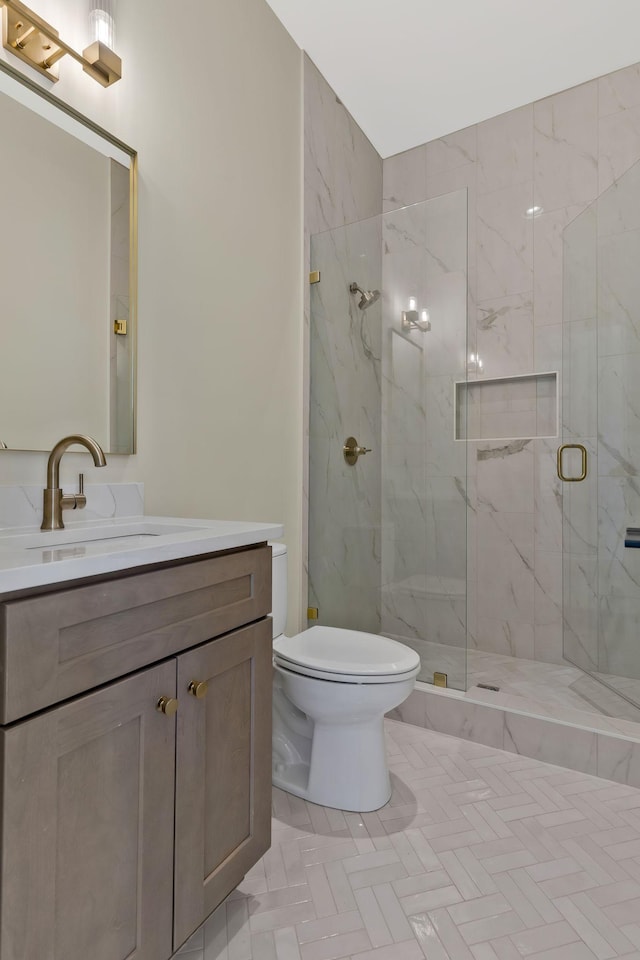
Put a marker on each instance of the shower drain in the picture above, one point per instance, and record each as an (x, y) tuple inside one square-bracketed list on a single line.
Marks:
[(488, 686)]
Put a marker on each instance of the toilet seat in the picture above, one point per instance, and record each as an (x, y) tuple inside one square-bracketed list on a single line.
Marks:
[(346, 656)]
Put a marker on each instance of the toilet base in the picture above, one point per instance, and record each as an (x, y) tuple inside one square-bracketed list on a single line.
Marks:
[(347, 768), (328, 739)]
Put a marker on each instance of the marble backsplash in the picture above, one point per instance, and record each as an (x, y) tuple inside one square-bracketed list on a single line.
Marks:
[(21, 506)]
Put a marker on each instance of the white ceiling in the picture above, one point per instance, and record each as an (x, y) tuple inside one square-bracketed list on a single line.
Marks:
[(413, 70)]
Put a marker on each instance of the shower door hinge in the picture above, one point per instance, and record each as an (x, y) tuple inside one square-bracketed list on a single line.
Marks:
[(440, 680), (120, 327), (314, 276), (312, 613)]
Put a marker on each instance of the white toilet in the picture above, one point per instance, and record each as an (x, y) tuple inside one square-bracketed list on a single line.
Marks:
[(331, 691)]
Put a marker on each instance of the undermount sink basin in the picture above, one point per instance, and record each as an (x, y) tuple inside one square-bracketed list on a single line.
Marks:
[(111, 534), (31, 557), (100, 534)]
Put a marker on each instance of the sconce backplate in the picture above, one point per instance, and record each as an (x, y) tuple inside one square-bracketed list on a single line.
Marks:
[(23, 36)]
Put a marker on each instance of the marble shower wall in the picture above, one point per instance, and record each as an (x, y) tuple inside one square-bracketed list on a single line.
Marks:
[(343, 184), (558, 154)]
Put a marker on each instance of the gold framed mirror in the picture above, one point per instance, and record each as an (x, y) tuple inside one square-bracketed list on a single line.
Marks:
[(68, 274)]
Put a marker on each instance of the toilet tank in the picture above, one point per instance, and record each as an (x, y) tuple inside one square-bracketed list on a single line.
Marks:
[(279, 587)]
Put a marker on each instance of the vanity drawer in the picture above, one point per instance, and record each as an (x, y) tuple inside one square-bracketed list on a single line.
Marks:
[(60, 644)]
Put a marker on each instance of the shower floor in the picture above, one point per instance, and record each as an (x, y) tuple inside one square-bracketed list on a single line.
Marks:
[(548, 688)]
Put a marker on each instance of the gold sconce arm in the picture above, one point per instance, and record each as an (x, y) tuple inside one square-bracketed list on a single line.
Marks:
[(35, 41)]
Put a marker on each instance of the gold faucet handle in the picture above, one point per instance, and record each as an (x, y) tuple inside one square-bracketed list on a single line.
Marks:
[(81, 500), (74, 501)]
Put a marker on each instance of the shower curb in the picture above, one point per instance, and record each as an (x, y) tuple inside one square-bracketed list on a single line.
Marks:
[(588, 743)]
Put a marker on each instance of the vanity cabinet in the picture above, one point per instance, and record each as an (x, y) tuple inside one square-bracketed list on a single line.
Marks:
[(123, 827)]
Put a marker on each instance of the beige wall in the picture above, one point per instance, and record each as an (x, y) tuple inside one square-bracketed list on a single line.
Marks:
[(211, 99)]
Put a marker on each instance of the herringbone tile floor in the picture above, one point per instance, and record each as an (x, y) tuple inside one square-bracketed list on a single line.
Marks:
[(480, 855)]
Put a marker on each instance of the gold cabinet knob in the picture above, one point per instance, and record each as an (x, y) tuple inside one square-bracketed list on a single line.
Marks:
[(168, 706), (198, 688)]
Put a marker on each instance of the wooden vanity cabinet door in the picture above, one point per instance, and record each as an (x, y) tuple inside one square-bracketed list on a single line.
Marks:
[(223, 771), (87, 804)]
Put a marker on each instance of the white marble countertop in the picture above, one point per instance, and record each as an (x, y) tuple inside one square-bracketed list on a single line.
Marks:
[(30, 557)]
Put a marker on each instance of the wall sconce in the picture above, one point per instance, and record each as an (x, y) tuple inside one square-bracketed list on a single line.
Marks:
[(412, 320), (35, 41)]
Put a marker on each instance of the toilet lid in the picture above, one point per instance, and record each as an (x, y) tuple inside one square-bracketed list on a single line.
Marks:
[(346, 652)]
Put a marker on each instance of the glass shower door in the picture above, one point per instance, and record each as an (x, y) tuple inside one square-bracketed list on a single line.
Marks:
[(578, 452), (601, 411), (387, 530)]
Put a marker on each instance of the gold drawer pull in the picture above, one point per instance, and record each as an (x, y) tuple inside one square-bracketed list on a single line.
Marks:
[(168, 706), (583, 452), (198, 688)]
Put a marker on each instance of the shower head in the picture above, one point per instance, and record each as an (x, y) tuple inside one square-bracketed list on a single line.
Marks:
[(367, 297)]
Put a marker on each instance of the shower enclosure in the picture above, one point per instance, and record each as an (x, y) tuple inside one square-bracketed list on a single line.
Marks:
[(433, 535), (388, 528)]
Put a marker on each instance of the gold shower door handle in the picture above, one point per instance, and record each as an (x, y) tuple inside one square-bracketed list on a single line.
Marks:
[(583, 453)]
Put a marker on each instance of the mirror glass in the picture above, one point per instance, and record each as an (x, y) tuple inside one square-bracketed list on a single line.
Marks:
[(67, 275)]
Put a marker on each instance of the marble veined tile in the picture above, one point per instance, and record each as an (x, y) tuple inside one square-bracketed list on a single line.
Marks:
[(505, 335), (580, 264), (405, 178), (618, 208), (618, 566), (509, 638), (505, 242), (579, 378), (580, 611), (619, 626), (619, 90), (547, 498), (505, 150), (619, 294), (566, 147), (342, 171), (505, 477), (548, 251), (619, 417), (505, 566), (619, 145), (454, 150), (547, 353), (536, 738)]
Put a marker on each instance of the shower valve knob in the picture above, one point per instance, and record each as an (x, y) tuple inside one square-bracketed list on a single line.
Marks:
[(352, 450)]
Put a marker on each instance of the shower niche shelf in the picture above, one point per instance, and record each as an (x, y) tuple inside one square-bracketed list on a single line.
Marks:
[(515, 408)]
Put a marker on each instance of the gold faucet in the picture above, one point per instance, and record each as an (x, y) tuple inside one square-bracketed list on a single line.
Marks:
[(54, 499)]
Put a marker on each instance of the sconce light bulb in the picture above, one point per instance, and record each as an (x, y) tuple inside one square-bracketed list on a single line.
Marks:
[(102, 22), (424, 316), (413, 303)]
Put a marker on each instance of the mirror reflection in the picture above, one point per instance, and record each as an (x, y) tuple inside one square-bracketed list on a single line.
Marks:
[(67, 258)]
